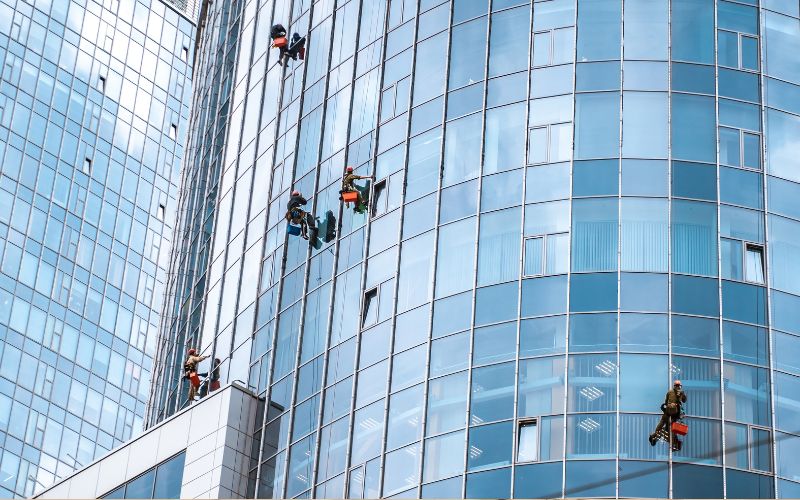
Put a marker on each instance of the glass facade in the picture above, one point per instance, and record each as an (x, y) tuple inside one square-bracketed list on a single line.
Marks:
[(575, 201), (94, 98)]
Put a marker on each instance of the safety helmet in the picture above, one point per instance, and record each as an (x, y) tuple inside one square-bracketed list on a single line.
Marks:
[(349, 169), (295, 193), (677, 382), (192, 352)]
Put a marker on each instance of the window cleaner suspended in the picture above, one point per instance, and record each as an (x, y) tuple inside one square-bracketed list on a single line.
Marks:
[(351, 193), (300, 222), (190, 372), (294, 49), (671, 424)]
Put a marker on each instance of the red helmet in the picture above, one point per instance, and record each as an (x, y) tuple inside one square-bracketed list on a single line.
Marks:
[(295, 193), (349, 169), (192, 352)]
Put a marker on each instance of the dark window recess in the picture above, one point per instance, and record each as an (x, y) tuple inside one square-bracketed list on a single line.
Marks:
[(380, 198), (370, 315)]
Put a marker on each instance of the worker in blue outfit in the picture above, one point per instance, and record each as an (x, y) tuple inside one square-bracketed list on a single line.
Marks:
[(295, 214)]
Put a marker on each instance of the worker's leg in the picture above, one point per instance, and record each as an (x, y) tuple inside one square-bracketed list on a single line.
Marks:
[(661, 423)]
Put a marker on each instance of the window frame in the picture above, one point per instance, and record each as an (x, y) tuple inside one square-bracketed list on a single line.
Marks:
[(758, 249), (549, 143), (742, 133), (527, 422)]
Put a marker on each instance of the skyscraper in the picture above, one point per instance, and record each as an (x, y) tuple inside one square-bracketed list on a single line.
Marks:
[(575, 202), (93, 106)]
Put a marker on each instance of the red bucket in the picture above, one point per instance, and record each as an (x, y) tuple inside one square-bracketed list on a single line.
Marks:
[(280, 42), (350, 196), (680, 428), (194, 379)]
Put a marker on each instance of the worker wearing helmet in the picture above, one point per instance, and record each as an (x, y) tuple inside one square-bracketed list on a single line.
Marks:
[(349, 187), (295, 214), (671, 409), (190, 371)]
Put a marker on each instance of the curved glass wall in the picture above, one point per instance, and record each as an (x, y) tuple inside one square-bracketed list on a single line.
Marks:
[(575, 202), (94, 101)]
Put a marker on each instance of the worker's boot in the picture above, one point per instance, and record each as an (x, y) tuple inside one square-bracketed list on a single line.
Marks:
[(653, 439)]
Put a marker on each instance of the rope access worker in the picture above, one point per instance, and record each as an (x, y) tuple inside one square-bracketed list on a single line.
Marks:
[(672, 410), (349, 187), (287, 50), (295, 214), (190, 372)]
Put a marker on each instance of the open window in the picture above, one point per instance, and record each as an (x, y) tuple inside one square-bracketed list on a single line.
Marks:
[(370, 313), (528, 440), (549, 143), (173, 132), (754, 264), (101, 84), (87, 165), (380, 198), (185, 53), (161, 211)]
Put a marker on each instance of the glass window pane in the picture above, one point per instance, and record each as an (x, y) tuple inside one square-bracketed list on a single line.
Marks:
[(498, 247), (537, 152), (528, 442), (490, 445), (508, 51), (401, 469), (592, 383), (693, 127), (644, 178), (534, 256), (496, 303), (697, 373), (456, 257), (645, 237), (444, 456), (168, 478), (746, 394), (694, 180), (731, 251), (489, 484), (751, 145), (595, 178), (449, 354), (543, 336), (367, 432), (541, 386), (448, 314), (697, 336), (646, 29), (557, 254), (505, 139), (694, 247), (599, 30), (643, 479), (469, 40), (638, 393), (588, 479), (447, 403), (593, 292), (492, 393), (538, 481), (543, 296), (142, 486), (693, 31), (494, 343), (405, 414), (749, 52), (644, 124), (592, 332), (462, 150), (643, 332), (597, 125), (595, 231)]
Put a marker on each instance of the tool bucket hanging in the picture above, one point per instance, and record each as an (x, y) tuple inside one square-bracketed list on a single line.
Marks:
[(280, 42), (350, 196), (680, 428), (293, 230), (194, 379)]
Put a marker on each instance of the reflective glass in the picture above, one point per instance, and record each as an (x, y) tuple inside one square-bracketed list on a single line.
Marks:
[(447, 404), (444, 456), (490, 445), (449, 354)]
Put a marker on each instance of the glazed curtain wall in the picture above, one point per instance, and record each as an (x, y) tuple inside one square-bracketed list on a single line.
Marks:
[(575, 202)]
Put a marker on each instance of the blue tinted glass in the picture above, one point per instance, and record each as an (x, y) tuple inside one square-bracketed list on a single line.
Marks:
[(742, 187), (694, 134), (449, 354), (736, 17), (543, 336), (749, 485), (592, 387), (595, 178), (467, 9), (459, 201), (597, 125), (142, 486), (168, 478), (449, 488), (589, 479), (699, 336), (646, 29), (692, 295), (498, 246), (643, 332), (694, 241), (492, 393), (462, 150), (645, 75), (593, 332), (496, 303), (542, 296), (644, 178), (637, 393), (538, 481), (748, 343), (742, 302), (464, 101), (547, 182), (595, 233), (785, 312), (645, 237), (599, 30), (644, 125), (597, 76), (495, 343), (739, 114), (693, 30), (593, 292), (452, 314), (696, 481), (739, 85), (508, 52), (643, 292), (490, 445), (489, 484), (643, 479), (506, 90), (693, 78), (694, 180), (551, 81)]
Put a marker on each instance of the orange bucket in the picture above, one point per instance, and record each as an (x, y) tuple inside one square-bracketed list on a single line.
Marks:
[(280, 42), (350, 196), (680, 428)]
